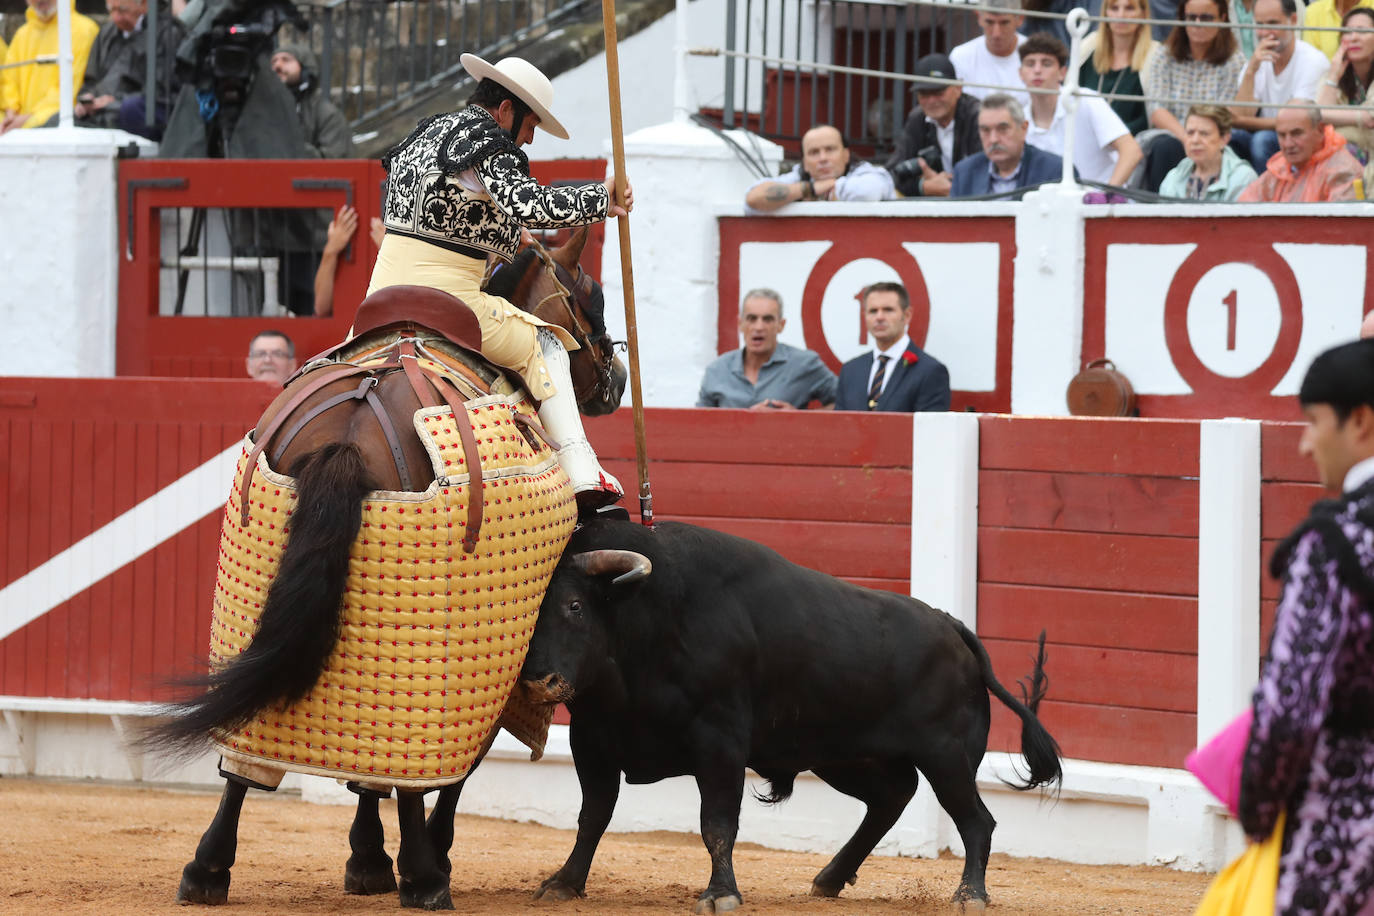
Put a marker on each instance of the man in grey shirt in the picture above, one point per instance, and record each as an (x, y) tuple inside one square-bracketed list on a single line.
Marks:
[(765, 374)]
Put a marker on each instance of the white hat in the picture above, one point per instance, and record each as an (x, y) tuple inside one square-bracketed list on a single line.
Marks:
[(524, 79)]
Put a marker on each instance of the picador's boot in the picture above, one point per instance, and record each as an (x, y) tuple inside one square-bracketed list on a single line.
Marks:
[(592, 485)]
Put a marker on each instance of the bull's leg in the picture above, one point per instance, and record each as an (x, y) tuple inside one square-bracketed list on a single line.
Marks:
[(722, 789), (424, 885), (600, 782), (368, 870), (885, 787), (952, 777), (205, 879)]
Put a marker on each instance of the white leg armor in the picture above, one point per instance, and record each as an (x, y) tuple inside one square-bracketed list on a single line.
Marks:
[(562, 421)]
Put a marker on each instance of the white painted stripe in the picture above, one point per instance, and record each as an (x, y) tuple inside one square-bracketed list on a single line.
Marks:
[(158, 518)]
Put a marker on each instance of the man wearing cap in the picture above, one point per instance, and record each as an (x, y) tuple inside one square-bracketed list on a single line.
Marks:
[(943, 127), (459, 189), (325, 128)]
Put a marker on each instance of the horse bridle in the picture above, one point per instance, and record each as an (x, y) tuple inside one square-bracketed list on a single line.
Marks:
[(568, 289)]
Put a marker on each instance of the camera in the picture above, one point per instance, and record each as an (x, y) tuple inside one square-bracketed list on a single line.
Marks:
[(909, 170), (224, 58)]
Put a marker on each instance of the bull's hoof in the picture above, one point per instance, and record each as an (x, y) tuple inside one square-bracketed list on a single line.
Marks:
[(554, 889), (437, 898), (717, 904), (368, 878), (200, 885)]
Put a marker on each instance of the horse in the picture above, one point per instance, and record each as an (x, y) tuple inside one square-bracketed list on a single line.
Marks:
[(337, 429)]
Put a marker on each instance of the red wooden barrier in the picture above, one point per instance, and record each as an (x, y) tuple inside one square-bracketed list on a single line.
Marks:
[(1288, 487), (1088, 529)]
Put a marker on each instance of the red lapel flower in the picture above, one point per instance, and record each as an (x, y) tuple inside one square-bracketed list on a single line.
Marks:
[(909, 358)]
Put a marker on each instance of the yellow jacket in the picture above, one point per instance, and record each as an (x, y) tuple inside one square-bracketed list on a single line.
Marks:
[(33, 90)]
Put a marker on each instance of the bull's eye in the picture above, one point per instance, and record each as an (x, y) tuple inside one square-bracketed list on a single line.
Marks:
[(575, 608)]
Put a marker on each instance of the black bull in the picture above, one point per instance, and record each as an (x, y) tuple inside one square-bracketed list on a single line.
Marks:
[(726, 656)]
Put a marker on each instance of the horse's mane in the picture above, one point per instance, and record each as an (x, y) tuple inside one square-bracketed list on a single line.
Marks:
[(506, 280)]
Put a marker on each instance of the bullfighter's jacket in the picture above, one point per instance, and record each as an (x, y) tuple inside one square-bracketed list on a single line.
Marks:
[(459, 182), (1311, 748)]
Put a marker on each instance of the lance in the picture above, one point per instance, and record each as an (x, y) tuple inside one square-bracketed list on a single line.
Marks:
[(627, 272)]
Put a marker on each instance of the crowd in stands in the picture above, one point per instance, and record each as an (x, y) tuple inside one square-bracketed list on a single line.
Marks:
[(1275, 112)]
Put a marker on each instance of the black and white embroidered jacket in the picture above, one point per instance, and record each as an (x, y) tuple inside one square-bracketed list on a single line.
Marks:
[(426, 200)]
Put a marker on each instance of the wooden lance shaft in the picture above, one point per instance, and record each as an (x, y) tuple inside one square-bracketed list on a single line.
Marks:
[(646, 498)]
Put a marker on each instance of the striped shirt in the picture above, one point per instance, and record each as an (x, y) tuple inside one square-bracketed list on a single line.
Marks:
[(1189, 79)]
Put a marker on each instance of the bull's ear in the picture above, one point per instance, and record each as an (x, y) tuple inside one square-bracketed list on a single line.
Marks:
[(626, 565)]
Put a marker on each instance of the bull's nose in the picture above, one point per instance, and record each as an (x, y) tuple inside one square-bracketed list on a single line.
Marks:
[(551, 688)]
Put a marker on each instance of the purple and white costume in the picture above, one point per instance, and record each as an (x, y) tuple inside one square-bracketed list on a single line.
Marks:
[(1311, 749)]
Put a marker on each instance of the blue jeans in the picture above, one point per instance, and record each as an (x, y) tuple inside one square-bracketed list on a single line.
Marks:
[(1263, 145)]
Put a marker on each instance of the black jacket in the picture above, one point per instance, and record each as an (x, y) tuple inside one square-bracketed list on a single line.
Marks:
[(919, 133)]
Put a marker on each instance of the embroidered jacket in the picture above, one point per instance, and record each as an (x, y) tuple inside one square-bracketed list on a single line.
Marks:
[(426, 200), (1311, 749)]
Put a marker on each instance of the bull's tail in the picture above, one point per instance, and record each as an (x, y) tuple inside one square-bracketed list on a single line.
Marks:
[(300, 619), (1037, 745)]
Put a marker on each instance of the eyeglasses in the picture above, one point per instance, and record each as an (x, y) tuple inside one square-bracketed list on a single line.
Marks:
[(268, 354), (1199, 17)]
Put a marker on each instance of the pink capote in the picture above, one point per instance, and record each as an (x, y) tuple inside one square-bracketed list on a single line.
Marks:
[(1217, 763)]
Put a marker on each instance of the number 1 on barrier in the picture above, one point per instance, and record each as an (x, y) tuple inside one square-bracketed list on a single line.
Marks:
[(1229, 301)]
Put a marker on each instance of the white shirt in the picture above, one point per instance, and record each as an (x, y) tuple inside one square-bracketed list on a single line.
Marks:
[(1098, 127), (1299, 80), (863, 181), (975, 63), (893, 353), (944, 136), (1358, 475)]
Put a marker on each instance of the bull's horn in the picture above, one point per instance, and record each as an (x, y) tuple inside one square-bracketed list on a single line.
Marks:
[(630, 566)]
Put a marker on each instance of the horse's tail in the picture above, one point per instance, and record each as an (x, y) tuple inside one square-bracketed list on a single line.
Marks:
[(299, 624), (1037, 745)]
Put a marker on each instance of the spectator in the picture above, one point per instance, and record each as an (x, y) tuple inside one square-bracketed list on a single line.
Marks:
[(896, 375), (1104, 150), (1281, 68), (826, 172), (765, 374), (30, 95), (1243, 12), (940, 132), (1329, 14), (991, 58), (1312, 164), (1345, 89), (113, 92), (1116, 59), (271, 357), (340, 233), (327, 135), (1212, 170), (1310, 754), (1007, 162), (1198, 62)]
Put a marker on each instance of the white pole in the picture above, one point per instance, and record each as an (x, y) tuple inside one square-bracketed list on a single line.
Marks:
[(1077, 23), (682, 110), (64, 62)]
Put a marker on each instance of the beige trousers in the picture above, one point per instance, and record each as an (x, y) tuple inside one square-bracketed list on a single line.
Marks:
[(509, 336)]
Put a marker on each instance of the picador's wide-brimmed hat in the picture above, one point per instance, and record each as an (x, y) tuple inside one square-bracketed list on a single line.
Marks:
[(525, 80)]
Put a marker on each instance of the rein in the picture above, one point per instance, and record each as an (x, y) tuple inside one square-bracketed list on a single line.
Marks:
[(603, 349)]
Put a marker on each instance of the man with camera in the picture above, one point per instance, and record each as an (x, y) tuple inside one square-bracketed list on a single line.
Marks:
[(825, 173), (941, 130)]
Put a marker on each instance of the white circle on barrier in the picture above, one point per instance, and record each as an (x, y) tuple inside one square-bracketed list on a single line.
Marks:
[(841, 314), (1234, 319)]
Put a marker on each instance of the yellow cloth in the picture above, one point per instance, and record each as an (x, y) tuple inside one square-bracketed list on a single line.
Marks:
[(2, 49), (34, 90), (508, 334), (1323, 13), (1246, 887)]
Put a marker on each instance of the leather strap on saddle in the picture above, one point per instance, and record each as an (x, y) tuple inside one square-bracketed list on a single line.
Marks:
[(454, 399), (265, 435)]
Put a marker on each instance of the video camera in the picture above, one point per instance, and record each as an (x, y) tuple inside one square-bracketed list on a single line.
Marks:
[(226, 56)]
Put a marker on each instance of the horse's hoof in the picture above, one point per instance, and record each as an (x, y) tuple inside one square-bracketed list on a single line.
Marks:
[(968, 904), (825, 890), (437, 899), (368, 880), (554, 890), (717, 904), (200, 885)]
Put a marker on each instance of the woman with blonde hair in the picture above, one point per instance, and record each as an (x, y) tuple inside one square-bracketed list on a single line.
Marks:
[(1116, 60)]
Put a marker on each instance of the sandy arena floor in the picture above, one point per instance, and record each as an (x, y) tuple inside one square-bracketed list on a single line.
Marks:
[(69, 847)]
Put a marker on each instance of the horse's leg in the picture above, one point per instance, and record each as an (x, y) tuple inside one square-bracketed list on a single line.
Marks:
[(439, 826), (369, 867), (205, 879), (424, 885)]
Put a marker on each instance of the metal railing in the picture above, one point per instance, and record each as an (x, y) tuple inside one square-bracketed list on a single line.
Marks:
[(781, 100), (379, 55)]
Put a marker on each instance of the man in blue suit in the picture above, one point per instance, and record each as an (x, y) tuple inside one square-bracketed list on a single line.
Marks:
[(1007, 162), (896, 375)]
